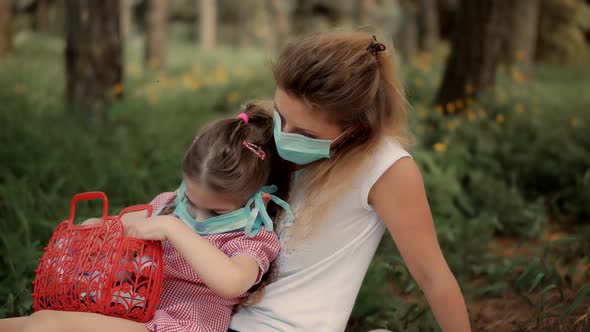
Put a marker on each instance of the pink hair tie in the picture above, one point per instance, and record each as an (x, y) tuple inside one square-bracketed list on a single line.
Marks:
[(256, 149), (244, 117)]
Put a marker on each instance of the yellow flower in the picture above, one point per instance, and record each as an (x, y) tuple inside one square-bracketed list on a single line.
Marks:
[(438, 108), (440, 147), (419, 82), (519, 55), (153, 63), (500, 118), (468, 89), (502, 97), (233, 96), (451, 107), (220, 75), (471, 116), (421, 111), (519, 108), (152, 99), (240, 72), (196, 70), (459, 103), (135, 70), (162, 80), (190, 83), (517, 75), (422, 62), (452, 124), (20, 89), (118, 89)]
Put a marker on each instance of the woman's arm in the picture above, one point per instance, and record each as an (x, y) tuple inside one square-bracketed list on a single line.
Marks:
[(400, 200), (227, 276)]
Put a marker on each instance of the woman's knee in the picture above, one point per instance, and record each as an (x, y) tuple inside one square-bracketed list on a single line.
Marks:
[(44, 320), (15, 324)]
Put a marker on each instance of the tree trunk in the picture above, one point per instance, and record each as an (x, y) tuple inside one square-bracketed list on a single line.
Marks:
[(408, 38), (6, 44), (311, 16), (156, 34), (244, 23), (208, 24), (93, 56), (447, 18), (126, 16), (41, 15), (475, 51), (365, 12), (429, 26), (521, 44), (280, 20)]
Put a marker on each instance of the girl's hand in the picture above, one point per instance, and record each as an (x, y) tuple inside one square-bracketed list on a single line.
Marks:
[(132, 217), (91, 221), (155, 228)]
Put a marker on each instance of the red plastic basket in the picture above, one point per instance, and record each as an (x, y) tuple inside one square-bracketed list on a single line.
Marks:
[(95, 268)]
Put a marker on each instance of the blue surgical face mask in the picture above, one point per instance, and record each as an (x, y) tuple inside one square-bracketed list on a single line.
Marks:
[(249, 219), (297, 148)]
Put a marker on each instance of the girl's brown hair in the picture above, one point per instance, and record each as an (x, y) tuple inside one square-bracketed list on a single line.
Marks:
[(219, 160), (342, 75)]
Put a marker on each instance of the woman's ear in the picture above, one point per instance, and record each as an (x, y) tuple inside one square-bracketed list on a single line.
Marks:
[(266, 198)]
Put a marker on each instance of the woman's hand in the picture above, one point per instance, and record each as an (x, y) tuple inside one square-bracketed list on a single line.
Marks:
[(155, 228)]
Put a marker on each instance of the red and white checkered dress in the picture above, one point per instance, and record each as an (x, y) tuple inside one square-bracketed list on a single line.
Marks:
[(187, 304)]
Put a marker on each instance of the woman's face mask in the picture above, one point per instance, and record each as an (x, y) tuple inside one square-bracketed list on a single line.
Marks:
[(299, 149)]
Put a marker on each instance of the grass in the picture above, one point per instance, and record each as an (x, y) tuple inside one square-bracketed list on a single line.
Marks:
[(508, 181)]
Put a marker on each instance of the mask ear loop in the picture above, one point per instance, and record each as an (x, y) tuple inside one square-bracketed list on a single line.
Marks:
[(346, 136), (259, 216), (253, 224), (179, 196)]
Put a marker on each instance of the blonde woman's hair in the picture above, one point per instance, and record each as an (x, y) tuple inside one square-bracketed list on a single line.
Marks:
[(341, 75)]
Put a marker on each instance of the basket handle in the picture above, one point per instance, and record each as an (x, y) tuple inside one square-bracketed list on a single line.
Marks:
[(136, 208), (87, 197)]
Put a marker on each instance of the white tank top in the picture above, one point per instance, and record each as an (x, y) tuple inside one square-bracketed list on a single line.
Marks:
[(317, 281)]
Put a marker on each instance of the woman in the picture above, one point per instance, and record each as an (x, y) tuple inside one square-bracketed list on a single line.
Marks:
[(340, 119)]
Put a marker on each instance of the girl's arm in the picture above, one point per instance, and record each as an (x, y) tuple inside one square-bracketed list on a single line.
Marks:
[(227, 276), (127, 218), (400, 200)]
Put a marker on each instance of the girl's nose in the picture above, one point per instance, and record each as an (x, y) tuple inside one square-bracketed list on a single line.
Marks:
[(287, 129)]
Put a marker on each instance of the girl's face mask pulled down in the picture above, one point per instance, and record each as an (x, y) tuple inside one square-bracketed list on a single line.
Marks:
[(250, 218)]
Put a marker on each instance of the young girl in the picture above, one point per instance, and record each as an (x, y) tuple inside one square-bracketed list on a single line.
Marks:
[(340, 119), (218, 239)]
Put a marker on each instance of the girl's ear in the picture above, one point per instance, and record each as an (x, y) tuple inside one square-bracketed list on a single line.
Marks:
[(266, 198)]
